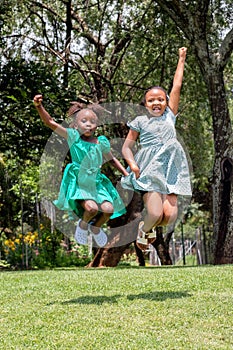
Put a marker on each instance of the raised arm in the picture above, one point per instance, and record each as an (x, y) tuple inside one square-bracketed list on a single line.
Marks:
[(47, 119), (177, 81)]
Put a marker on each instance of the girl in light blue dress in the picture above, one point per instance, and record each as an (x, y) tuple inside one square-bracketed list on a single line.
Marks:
[(159, 170)]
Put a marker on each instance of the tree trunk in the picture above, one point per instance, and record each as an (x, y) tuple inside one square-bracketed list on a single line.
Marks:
[(224, 234), (222, 172)]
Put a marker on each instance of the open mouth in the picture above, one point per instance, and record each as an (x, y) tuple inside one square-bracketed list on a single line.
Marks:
[(156, 109)]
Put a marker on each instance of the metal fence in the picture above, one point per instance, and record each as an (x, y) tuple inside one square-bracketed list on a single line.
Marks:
[(195, 251)]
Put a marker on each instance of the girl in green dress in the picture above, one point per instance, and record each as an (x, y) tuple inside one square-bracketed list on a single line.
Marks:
[(84, 189)]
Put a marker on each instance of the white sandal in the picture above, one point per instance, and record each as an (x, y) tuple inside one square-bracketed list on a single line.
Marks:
[(100, 238), (145, 238), (151, 236), (80, 234), (142, 241)]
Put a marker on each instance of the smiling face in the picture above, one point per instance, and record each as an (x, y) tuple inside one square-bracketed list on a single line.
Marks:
[(156, 101), (86, 122)]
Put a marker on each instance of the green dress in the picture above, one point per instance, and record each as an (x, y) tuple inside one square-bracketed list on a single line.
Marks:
[(83, 180)]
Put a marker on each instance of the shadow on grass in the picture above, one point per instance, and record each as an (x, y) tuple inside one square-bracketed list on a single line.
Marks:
[(98, 299), (153, 296), (159, 296)]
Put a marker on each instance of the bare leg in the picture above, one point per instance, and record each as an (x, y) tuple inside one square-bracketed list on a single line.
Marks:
[(90, 211), (170, 209), (107, 210), (153, 202), (160, 210)]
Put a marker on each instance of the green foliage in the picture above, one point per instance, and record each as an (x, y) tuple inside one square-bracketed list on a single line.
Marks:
[(20, 81), (25, 184), (41, 249), (7, 199), (19, 190), (4, 264), (23, 136)]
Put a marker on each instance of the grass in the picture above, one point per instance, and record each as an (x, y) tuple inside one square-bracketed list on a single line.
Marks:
[(119, 308)]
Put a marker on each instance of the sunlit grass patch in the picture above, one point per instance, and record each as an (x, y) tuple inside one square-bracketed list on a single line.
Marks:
[(118, 308)]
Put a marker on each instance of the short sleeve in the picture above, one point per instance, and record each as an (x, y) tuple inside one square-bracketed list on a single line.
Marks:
[(171, 115), (134, 124), (73, 135), (105, 144)]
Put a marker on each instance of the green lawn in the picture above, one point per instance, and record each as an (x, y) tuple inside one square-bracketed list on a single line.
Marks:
[(118, 308)]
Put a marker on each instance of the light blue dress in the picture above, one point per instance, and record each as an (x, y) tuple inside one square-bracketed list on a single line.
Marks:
[(82, 179), (161, 158)]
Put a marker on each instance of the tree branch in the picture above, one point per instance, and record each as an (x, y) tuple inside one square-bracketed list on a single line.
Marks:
[(226, 49), (178, 11), (45, 7), (193, 25), (87, 34)]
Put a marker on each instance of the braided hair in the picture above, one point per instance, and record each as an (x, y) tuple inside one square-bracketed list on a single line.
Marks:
[(77, 107)]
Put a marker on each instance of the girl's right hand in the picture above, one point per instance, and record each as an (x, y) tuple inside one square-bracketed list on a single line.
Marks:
[(182, 52), (37, 100), (135, 169)]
